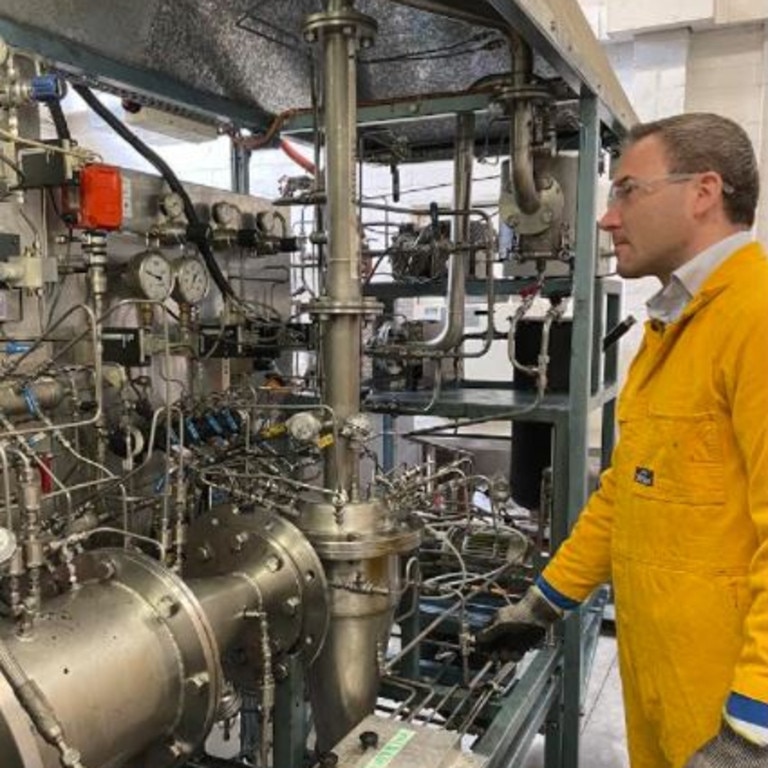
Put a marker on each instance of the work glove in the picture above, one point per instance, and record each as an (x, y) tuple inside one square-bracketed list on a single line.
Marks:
[(517, 628), (729, 750)]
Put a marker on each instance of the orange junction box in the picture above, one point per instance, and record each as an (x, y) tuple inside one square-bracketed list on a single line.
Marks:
[(101, 197)]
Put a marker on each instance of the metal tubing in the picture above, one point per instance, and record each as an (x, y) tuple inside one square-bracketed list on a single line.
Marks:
[(453, 330), (427, 349), (46, 393), (9, 368), (508, 726), (33, 700)]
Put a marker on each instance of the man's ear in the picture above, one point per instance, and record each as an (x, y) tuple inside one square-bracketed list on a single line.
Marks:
[(709, 192)]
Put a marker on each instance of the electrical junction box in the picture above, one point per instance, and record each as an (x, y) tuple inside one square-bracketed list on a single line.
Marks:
[(46, 169), (101, 197)]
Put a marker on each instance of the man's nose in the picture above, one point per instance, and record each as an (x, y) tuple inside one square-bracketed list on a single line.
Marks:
[(611, 219)]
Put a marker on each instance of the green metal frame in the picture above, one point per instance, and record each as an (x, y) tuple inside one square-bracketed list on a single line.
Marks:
[(550, 692)]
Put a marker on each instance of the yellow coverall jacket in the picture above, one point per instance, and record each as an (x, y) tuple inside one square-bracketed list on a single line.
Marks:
[(680, 522)]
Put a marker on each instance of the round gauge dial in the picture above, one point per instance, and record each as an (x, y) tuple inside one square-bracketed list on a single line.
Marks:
[(192, 281), (172, 205), (225, 214), (152, 275)]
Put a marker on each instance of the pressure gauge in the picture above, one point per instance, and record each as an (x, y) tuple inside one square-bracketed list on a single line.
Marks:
[(150, 274), (226, 215), (192, 281), (172, 205)]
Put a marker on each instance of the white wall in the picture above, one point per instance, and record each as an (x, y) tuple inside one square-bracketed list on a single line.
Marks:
[(682, 56)]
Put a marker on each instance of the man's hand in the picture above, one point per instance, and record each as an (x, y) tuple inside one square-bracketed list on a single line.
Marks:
[(729, 750), (517, 628)]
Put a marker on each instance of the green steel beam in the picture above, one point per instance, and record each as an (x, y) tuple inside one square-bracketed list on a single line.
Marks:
[(582, 343), (582, 338), (416, 108), (475, 287), (291, 715), (520, 716)]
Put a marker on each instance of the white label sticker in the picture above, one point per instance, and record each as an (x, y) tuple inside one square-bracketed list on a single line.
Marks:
[(127, 199)]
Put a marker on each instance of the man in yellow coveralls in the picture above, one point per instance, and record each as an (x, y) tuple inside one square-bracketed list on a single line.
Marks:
[(680, 521)]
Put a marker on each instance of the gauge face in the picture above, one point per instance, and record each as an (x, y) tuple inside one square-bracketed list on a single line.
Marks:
[(153, 275), (225, 214), (172, 205), (191, 281)]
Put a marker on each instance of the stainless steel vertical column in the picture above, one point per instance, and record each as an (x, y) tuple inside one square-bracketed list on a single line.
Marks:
[(341, 337), (358, 542)]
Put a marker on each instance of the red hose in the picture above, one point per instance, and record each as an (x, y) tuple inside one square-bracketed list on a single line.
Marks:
[(297, 157)]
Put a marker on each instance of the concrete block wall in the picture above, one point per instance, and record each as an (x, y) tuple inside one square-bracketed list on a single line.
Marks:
[(628, 19), (695, 55)]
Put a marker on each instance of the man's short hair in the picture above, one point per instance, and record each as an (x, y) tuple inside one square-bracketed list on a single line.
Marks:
[(700, 141)]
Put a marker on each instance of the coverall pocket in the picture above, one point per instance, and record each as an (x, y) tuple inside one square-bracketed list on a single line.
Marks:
[(680, 459)]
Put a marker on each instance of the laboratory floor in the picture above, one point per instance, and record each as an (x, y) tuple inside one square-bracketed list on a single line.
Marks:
[(603, 738)]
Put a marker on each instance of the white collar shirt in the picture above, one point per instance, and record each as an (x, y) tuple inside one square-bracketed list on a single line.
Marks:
[(668, 303)]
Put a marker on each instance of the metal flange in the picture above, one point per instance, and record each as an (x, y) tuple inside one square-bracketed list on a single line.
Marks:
[(325, 308), (366, 547), (508, 94), (358, 530), (277, 558), (348, 22)]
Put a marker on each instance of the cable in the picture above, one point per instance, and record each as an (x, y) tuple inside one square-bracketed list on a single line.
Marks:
[(170, 177), (59, 120), (487, 40), (256, 141)]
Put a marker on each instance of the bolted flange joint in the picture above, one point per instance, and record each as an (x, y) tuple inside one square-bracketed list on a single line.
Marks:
[(347, 22), (325, 308)]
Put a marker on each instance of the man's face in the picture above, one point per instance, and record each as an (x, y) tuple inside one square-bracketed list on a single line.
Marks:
[(650, 217)]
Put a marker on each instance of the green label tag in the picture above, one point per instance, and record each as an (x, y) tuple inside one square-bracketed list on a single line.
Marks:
[(391, 749)]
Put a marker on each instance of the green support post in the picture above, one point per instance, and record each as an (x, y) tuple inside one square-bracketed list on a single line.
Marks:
[(291, 715), (581, 375)]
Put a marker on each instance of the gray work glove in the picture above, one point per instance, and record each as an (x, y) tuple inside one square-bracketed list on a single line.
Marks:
[(517, 628), (729, 750)]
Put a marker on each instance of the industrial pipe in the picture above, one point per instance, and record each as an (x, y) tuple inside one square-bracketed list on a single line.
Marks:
[(451, 333), (521, 130), (341, 342), (44, 394)]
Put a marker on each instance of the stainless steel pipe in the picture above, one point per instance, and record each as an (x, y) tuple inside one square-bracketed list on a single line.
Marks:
[(341, 338), (451, 333), (521, 130), (46, 393)]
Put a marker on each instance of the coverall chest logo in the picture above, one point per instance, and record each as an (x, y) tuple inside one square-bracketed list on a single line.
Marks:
[(644, 476)]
